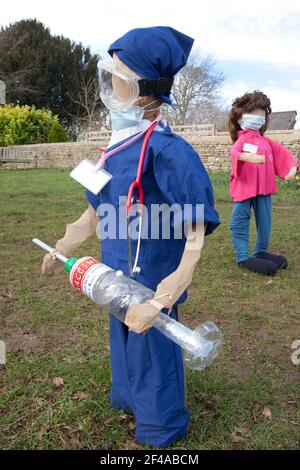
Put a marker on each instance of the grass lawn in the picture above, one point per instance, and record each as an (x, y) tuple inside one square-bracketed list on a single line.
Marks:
[(246, 400)]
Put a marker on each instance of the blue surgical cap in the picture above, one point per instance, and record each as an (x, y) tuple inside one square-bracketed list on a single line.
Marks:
[(154, 52)]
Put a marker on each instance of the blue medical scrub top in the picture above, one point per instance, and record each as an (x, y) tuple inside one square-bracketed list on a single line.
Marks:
[(173, 174)]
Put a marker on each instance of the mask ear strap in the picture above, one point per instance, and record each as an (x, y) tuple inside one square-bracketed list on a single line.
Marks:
[(149, 104), (156, 108)]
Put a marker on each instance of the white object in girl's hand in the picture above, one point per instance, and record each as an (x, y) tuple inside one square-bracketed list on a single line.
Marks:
[(250, 148)]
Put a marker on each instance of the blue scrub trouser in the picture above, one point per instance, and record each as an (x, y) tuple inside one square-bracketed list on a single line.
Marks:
[(148, 381), (239, 225)]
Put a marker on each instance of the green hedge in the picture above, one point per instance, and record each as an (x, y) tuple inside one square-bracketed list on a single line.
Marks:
[(28, 125)]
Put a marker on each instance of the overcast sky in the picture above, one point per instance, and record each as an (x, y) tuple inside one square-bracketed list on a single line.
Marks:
[(256, 43)]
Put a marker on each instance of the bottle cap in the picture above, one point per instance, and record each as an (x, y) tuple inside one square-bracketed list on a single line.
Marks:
[(69, 264)]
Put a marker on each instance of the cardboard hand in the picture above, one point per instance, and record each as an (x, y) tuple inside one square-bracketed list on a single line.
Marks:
[(51, 266), (76, 234), (291, 174), (140, 317)]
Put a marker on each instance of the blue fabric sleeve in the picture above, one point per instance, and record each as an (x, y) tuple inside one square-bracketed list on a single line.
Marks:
[(183, 179)]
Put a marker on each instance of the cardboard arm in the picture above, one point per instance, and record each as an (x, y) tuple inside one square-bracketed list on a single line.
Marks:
[(252, 158), (76, 234), (140, 317), (170, 289)]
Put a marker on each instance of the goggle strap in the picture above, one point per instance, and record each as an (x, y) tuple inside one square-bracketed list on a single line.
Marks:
[(160, 86)]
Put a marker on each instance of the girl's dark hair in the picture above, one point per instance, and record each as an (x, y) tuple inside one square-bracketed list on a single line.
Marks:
[(246, 104)]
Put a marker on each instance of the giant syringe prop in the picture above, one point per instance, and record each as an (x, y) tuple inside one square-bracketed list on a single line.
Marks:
[(112, 289)]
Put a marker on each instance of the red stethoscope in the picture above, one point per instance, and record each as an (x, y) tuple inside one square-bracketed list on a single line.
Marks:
[(135, 193)]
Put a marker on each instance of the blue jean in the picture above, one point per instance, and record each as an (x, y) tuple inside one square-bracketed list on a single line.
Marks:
[(239, 225)]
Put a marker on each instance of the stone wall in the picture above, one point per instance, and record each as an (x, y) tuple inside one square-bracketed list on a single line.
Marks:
[(214, 151)]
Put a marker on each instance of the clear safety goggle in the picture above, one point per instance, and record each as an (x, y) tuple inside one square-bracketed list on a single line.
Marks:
[(117, 91)]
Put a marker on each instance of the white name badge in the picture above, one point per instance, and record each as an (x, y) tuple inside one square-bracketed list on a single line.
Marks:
[(250, 148), (92, 179)]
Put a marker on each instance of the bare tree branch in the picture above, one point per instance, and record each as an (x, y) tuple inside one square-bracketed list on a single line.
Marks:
[(195, 92)]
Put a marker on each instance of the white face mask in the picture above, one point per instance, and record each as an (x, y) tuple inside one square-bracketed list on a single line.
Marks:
[(127, 118), (130, 117), (252, 121)]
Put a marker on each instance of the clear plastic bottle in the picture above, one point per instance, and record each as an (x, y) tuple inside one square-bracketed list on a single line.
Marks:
[(112, 289), (120, 292)]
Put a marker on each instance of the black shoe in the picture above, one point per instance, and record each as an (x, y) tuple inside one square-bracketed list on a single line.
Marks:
[(280, 261), (259, 266)]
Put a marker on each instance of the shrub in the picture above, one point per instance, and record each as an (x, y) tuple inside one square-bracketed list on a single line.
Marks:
[(28, 125), (57, 133)]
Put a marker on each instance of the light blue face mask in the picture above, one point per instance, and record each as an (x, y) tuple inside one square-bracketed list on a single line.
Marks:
[(126, 118), (252, 121)]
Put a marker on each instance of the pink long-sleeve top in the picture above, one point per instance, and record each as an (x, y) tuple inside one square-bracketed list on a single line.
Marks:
[(252, 179)]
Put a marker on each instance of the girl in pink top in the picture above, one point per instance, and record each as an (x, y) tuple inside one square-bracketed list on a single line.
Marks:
[(256, 161)]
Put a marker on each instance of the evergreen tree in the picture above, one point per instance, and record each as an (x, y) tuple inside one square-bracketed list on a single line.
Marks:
[(45, 70)]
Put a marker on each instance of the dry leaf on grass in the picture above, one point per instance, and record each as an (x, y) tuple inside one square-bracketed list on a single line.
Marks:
[(58, 382), (267, 412), (236, 438), (65, 441), (6, 293), (240, 431), (239, 435)]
